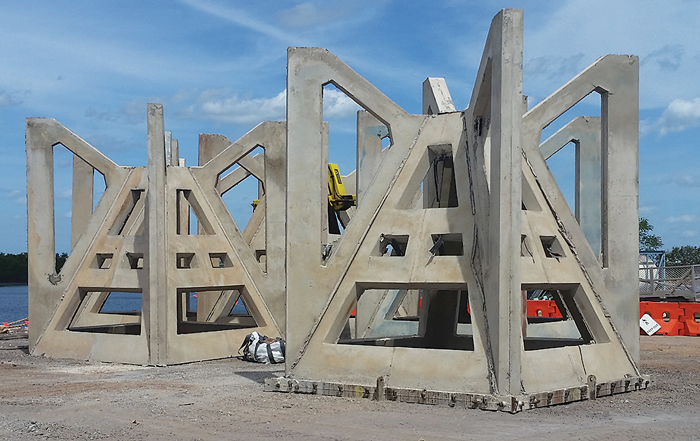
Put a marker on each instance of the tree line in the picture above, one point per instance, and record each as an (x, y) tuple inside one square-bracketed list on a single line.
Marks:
[(14, 268), (685, 255)]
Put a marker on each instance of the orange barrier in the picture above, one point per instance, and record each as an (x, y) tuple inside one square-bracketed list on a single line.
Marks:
[(542, 308), (666, 314), (690, 318)]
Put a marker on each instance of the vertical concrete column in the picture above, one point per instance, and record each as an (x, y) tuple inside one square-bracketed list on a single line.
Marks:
[(502, 281), (174, 153), (436, 97), (155, 298), (370, 132), (620, 215), (210, 145), (305, 136), (82, 196), (40, 227), (275, 200), (325, 191)]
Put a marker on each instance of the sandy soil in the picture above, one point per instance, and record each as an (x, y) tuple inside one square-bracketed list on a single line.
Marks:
[(44, 398)]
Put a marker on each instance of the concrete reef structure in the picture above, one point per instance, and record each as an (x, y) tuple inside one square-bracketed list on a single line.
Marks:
[(417, 292), (462, 208), (138, 239)]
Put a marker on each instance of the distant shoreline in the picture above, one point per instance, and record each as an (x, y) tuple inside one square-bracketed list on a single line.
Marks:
[(12, 284)]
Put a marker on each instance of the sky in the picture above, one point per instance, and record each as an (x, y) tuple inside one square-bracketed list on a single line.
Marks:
[(220, 67)]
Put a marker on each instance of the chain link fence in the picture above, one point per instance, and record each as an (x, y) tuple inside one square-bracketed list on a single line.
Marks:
[(669, 282)]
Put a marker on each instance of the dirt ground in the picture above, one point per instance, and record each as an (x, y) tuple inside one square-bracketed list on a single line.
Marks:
[(44, 398)]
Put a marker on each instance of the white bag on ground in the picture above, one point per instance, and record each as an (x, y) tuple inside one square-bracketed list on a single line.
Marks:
[(262, 349)]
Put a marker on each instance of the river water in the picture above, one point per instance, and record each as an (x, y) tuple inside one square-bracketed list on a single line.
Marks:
[(14, 303)]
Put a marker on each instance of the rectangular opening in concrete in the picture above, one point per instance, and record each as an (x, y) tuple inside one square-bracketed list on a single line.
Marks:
[(220, 260), (447, 244), (135, 260), (392, 245), (552, 247), (103, 260), (106, 311), (439, 184), (432, 182), (184, 260), (442, 321), (215, 309)]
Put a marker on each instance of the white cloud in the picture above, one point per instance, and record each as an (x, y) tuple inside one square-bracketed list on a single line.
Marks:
[(18, 197), (686, 219), (666, 43), (240, 18), (554, 68), (224, 106), (7, 100), (687, 181), (689, 233), (338, 105), (679, 115), (304, 15)]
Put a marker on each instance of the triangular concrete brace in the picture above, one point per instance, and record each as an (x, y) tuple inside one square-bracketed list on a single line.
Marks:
[(492, 365), (137, 241)]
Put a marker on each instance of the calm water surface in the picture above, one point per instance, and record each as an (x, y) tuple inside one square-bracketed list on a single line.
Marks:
[(14, 301)]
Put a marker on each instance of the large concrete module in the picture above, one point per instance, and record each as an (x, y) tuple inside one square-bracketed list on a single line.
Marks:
[(138, 240), (508, 227), (455, 221)]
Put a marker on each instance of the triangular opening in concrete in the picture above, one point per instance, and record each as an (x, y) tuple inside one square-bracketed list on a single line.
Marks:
[(215, 309), (106, 311), (442, 322), (196, 222)]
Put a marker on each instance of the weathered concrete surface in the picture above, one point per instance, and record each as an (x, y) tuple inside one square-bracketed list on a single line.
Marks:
[(138, 240), (491, 194)]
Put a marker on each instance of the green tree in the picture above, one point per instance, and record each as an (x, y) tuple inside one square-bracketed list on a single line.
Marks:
[(13, 268), (648, 241), (685, 255), (60, 260)]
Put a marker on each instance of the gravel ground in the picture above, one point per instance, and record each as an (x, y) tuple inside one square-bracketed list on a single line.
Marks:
[(43, 398)]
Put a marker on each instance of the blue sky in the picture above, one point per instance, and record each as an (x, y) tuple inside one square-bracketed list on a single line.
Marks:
[(219, 67)]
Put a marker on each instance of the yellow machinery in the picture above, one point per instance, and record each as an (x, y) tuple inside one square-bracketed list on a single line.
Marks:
[(338, 197)]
